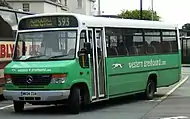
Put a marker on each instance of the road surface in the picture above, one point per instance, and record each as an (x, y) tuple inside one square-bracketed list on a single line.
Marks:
[(173, 101)]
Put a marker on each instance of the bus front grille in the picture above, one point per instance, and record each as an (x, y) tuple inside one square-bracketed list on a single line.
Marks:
[(31, 79)]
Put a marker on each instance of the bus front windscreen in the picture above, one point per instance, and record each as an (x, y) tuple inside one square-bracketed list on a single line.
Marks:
[(45, 45)]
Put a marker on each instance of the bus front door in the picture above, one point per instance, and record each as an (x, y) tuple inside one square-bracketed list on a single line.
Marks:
[(97, 63)]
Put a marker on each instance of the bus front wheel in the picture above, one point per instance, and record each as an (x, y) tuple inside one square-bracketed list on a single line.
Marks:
[(150, 90), (18, 106), (74, 101)]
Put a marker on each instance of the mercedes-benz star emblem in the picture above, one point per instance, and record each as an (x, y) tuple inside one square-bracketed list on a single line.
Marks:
[(29, 79)]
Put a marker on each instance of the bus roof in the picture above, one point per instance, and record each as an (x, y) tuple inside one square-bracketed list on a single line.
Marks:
[(91, 21)]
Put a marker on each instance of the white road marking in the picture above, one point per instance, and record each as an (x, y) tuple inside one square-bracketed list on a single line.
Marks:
[(1, 108), (36, 106), (173, 89), (186, 73), (155, 100), (26, 107), (178, 117)]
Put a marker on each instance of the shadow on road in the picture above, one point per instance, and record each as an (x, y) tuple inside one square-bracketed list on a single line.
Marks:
[(62, 109)]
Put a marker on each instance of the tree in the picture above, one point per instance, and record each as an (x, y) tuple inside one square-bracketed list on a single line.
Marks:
[(186, 26), (4, 3), (135, 14)]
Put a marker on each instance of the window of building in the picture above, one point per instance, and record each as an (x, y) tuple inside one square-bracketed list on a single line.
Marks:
[(79, 3), (26, 7), (65, 2)]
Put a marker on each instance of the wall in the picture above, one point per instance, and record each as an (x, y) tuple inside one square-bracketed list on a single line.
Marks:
[(39, 6), (86, 7), (44, 6), (34, 7), (52, 8)]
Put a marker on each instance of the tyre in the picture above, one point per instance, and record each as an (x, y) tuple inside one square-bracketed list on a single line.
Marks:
[(18, 106), (150, 90), (74, 101)]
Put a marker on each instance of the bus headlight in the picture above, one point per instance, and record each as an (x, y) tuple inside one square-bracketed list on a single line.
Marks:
[(58, 78), (8, 79)]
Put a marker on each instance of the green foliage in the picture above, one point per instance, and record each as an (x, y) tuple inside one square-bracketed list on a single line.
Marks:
[(186, 26), (135, 14)]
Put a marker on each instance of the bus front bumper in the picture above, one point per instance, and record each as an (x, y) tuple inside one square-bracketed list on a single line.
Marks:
[(36, 95)]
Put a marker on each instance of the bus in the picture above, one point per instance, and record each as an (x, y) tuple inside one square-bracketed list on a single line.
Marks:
[(185, 50), (77, 60), (8, 26)]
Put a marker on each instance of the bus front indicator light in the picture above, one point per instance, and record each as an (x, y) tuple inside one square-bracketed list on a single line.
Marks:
[(58, 78)]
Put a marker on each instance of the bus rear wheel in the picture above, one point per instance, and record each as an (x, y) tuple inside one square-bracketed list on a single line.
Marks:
[(18, 106), (150, 90), (74, 101)]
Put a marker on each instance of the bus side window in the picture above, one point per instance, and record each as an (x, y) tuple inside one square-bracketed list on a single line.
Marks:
[(83, 39)]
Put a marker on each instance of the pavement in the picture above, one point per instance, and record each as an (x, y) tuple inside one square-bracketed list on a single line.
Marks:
[(170, 103), (176, 105)]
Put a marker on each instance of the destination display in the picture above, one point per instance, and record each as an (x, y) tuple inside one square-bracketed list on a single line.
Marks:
[(48, 22)]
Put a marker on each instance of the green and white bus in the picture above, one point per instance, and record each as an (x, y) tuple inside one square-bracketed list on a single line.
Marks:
[(76, 59)]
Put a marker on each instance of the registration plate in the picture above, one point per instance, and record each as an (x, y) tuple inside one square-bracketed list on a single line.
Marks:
[(28, 94)]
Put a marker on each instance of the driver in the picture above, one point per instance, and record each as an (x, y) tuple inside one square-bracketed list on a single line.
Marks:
[(48, 44)]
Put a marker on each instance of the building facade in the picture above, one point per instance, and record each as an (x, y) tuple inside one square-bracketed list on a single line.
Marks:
[(46, 6)]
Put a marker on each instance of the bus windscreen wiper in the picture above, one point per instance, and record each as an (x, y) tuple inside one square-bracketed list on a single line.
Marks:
[(57, 56), (38, 56)]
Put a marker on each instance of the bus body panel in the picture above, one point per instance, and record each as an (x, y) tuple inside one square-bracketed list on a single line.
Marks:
[(52, 67), (131, 73), (24, 69)]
